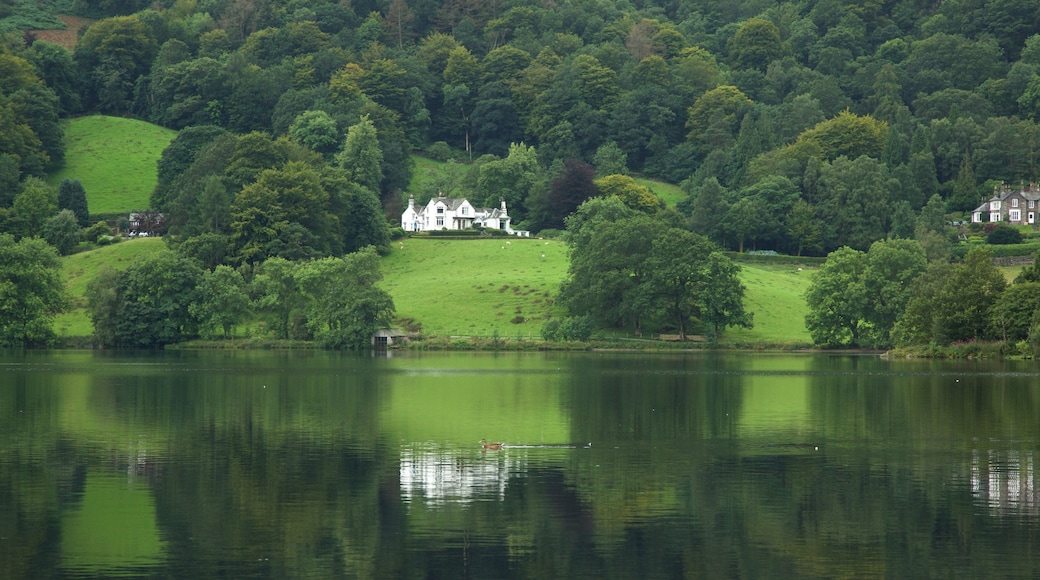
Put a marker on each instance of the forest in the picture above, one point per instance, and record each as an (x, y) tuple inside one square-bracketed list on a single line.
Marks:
[(797, 127)]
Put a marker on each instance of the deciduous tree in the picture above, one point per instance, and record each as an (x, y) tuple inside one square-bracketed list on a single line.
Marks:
[(32, 291)]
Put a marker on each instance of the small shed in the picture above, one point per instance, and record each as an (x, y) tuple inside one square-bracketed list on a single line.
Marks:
[(387, 337)]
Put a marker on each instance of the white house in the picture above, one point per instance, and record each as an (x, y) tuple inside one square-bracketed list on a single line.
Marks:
[(1014, 206), (446, 213)]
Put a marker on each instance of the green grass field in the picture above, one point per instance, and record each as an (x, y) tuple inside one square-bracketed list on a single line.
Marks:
[(115, 160), (478, 287), (776, 296), (475, 287), (670, 193)]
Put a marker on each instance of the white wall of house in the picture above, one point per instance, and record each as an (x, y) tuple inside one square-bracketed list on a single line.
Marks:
[(442, 213)]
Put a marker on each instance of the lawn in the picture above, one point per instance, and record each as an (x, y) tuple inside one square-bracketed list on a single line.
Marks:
[(475, 287), (115, 160), (776, 296)]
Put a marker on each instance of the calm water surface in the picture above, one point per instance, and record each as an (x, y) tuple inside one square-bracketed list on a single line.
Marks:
[(327, 465)]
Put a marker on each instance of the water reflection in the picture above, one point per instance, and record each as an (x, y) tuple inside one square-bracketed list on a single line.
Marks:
[(1005, 482), (437, 476), (328, 465)]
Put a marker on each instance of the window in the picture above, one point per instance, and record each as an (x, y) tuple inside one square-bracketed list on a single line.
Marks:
[(994, 216), (465, 210), (1014, 202), (1031, 203), (440, 220), (994, 205), (440, 209), (1015, 215)]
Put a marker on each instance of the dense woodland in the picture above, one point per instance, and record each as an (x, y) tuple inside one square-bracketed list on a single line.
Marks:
[(801, 127)]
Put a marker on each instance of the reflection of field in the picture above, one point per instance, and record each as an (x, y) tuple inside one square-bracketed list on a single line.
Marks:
[(459, 400)]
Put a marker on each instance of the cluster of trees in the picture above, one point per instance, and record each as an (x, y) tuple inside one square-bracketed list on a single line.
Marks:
[(891, 295), (635, 270), (242, 199), (166, 298), (774, 119)]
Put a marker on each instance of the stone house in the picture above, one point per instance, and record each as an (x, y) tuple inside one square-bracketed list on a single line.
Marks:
[(1014, 206)]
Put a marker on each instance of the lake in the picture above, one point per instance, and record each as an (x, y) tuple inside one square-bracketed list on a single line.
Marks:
[(277, 464)]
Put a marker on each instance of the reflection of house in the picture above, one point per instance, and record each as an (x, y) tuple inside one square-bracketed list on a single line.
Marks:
[(446, 213), (1014, 206), (433, 476), (1006, 481)]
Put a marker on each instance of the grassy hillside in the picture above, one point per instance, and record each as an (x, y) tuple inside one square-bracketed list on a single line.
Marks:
[(477, 287), (776, 296), (81, 268), (115, 160)]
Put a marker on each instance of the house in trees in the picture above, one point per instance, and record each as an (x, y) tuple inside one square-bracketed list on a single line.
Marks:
[(1015, 206), (446, 213), (146, 223)]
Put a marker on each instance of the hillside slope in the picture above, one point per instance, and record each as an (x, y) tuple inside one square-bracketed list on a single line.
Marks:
[(115, 160), (478, 287)]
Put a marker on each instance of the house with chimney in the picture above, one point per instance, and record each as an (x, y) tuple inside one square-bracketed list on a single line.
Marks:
[(448, 213), (1012, 205)]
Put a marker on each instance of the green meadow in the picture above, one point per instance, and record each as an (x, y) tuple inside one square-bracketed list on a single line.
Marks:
[(475, 287), (115, 160), (480, 287)]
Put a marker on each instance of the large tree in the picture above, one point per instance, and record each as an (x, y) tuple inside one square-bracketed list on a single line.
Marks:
[(32, 291), (152, 302), (856, 297)]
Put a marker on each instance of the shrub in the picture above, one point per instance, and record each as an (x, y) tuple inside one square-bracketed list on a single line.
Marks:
[(1004, 235), (577, 328), (440, 151), (95, 231)]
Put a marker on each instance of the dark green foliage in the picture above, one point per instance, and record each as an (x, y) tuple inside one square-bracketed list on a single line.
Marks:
[(952, 302), (148, 305), (570, 328), (72, 196), (1004, 235), (95, 231), (62, 231)]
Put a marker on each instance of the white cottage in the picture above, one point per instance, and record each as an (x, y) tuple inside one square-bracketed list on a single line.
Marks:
[(446, 213)]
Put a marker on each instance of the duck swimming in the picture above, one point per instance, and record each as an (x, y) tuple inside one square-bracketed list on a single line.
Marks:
[(492, 446)]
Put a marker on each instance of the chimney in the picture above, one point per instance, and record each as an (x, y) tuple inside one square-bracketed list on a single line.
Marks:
[(411, 202)]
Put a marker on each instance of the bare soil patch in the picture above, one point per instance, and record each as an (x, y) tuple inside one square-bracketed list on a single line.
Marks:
[(67, 37)]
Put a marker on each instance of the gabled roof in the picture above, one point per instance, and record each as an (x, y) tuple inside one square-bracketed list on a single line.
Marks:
[(452, 203)]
